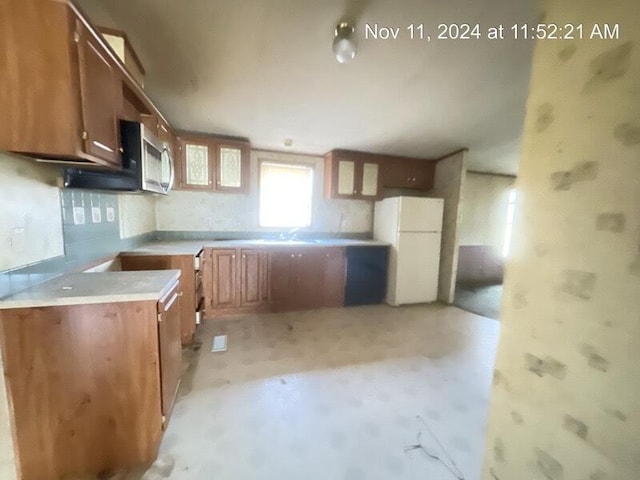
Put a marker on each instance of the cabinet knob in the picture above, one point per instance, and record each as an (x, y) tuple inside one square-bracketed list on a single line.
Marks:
[(233, 256), (292, 255), (244, 256), (299, 255)]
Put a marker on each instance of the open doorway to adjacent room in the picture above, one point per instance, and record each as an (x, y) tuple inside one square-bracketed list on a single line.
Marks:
[(485, 242)]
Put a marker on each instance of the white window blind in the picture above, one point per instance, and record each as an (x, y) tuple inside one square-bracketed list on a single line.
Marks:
[(286, 191)]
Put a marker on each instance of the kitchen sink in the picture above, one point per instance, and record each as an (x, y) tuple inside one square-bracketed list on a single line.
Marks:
[(275, 241)]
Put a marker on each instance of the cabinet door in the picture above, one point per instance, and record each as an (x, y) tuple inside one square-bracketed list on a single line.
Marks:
[(170, 350), (309, 278), (346, 177), (370, 179), (281, 279), (197, 165), (100, 99), (252, 277), (151, 123), (225, 280), (335, 269), (186, 289), (232, 167)]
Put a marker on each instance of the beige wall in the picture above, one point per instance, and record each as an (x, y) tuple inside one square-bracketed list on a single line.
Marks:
[(449, 184), (484, 209), (566, 395), (30, 203), (224, 212), (137, 214)]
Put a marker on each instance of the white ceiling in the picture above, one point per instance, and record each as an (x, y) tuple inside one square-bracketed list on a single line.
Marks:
[(264, 69)]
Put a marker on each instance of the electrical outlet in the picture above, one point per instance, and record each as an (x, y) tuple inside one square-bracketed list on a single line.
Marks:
[(96, 214), (111, 214), (78, 216)]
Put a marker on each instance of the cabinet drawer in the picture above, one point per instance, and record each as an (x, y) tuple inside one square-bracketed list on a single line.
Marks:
[(200, 311), (169, 299), (197, 261)]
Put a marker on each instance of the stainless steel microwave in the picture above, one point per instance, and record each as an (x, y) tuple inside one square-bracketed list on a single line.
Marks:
[(147, 165)]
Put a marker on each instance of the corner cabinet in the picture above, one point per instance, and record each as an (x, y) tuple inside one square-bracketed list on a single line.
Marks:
[(352, 175), (213, 163), (91, 386), (64, 83), (191, 305)]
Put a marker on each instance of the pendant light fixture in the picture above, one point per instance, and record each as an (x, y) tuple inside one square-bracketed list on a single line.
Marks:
[(344, 45)]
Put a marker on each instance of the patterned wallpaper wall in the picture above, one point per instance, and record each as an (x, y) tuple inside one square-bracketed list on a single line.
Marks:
[(220, 212), (566, 395), (31, 226)]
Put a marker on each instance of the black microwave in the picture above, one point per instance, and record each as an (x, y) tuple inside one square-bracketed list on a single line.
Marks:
[(147, 165)]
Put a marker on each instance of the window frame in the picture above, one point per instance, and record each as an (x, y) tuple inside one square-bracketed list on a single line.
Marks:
[(311, 166)]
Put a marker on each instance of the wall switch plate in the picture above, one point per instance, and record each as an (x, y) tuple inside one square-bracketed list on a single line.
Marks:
[(78, 216), (96, 214), (111, 214)]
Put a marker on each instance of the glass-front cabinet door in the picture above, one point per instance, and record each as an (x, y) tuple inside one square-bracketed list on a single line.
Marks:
[(369, 179), (213, 163), (232, 167), (196, 165), (346, 177)]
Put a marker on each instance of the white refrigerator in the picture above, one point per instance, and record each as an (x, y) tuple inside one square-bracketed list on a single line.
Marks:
[(413, 227)]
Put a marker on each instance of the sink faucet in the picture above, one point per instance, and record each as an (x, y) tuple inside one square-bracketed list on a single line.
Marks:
[(290, 235)]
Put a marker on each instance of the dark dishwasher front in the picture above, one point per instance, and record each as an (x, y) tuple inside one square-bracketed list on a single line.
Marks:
[(366, 275)]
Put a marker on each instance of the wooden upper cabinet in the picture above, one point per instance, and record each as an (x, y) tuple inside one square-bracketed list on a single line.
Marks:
[(151, 122), (352, 175), (402, 172), (196, 164), (63, 88), (360, 175), (212, 163), (59, 93), (232, 166), (100, 97)]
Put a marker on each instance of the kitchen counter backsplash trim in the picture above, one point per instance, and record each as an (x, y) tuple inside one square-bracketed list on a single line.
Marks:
[(168, 236)]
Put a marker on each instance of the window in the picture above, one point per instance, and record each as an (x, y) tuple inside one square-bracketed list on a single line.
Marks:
[(511, 211), (285, 194)]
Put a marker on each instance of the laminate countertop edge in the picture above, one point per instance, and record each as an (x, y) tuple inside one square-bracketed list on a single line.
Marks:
[(93, 288)]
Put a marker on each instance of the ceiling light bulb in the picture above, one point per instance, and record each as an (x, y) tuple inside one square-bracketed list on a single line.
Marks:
[(344, 46)]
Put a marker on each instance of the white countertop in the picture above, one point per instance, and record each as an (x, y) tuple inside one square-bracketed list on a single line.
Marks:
[(193, 247), (87, 288), (328, 242)]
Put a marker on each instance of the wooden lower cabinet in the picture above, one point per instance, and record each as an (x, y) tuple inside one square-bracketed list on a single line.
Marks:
[(335, 271), (253, 278), (224, 273), (90, 387), (309, 279), (273, 279), (189, 280), (235, 280)]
